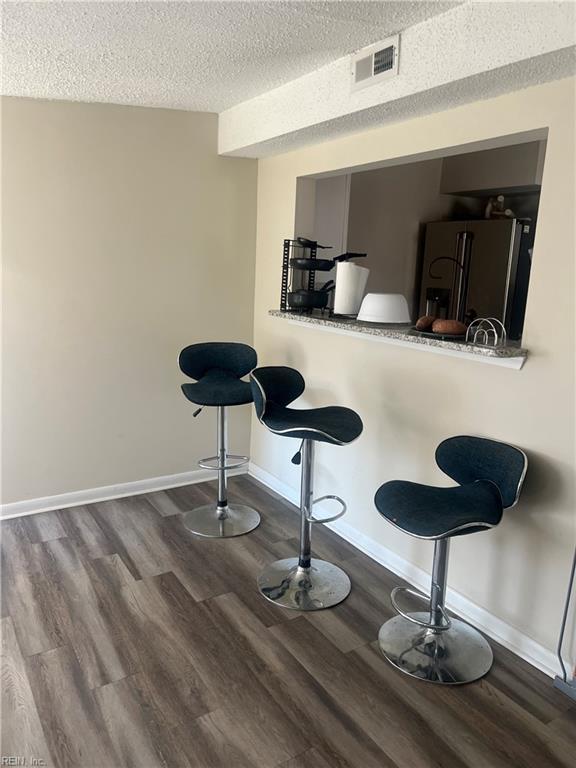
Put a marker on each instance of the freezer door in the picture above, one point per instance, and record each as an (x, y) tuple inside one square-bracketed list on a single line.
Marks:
[(440, 273), (493, 259)]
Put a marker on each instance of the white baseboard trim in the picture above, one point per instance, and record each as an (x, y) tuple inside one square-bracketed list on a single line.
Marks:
[(505, 634), (107, 492)]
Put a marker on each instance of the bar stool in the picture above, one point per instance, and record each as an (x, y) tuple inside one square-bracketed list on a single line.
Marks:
[(303, 583), (218, 368), (431, 645)]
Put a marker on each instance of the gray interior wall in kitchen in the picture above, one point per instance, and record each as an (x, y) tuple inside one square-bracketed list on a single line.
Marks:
[(517, 167), (304, 217), (387, 210), (331, 213), (322, 215)]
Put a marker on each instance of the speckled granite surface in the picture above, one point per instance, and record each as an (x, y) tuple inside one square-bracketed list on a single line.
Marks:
[(400, 333)]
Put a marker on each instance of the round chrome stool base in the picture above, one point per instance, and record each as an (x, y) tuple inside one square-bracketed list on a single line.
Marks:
[(204, 521), (304, 589), (454, 656)]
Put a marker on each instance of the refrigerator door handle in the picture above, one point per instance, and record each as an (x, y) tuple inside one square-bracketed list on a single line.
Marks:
[(464, 239), (460, 276), (457, 281)]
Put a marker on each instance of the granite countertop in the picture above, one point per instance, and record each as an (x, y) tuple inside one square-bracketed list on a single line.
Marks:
[(404, 333)]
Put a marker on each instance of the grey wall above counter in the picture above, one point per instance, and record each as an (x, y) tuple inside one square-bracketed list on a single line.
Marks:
[(517, 168)]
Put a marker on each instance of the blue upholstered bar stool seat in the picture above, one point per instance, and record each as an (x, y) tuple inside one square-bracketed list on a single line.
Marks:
[(303, 583), (217, 368), (431, 645)]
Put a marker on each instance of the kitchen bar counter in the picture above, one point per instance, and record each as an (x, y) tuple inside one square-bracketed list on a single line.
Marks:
[(510, 356)]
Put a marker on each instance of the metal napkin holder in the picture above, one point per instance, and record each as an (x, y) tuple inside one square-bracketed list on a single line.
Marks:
[(486, 332)]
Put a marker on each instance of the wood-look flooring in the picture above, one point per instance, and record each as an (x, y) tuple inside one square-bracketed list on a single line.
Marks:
[(126, 641)]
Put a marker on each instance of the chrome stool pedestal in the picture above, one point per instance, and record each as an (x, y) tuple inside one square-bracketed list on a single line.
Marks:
[(304, 583), (222, 520), (489, 474), (430, 645)]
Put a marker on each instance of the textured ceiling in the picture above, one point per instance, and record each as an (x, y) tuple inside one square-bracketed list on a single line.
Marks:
[(494, 83), (488, 54), (204, 56)]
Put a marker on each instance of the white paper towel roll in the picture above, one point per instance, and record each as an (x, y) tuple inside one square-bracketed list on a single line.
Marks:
[(350, 285)]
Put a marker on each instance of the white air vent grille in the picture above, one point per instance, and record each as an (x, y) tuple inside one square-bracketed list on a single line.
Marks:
[(383, 60), (376, 63)]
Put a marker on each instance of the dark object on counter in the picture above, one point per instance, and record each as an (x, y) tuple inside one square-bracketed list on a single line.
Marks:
[(299, 266), (304, 299), (294, 278), (350, 255), (323, 265), (424, 323), (437, 326), (450, 327), (432, 645), (303, 242), (437, 302), (429, 334), (320, 265), (298, 292)]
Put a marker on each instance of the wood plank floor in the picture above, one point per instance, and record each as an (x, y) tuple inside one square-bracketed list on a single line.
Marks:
[(126, 641)]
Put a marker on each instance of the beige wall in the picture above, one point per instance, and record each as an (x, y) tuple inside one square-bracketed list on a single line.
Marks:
[(125, 237), (410, 400)]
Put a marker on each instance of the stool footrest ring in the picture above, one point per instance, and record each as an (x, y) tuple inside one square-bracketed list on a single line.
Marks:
[(212, 462), (331, 519), (425, 625)]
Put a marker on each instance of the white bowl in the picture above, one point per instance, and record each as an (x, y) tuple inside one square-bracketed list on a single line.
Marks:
[(384, 308)]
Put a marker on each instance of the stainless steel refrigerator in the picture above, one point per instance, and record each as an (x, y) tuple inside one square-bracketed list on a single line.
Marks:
[(477, 268)]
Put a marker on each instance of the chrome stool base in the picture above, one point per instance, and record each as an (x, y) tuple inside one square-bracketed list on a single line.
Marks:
[(454, 656), (286, 584), (221, 520), (204, 521)]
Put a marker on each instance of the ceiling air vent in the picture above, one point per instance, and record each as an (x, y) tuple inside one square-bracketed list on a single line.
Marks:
[(376, 63)]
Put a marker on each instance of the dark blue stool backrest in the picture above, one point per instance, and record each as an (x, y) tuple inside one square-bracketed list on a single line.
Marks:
[(197, 359), (275, 384), (467, 459)]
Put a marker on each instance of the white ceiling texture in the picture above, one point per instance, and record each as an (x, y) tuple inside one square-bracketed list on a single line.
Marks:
[(202, 56), (278, 73)]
